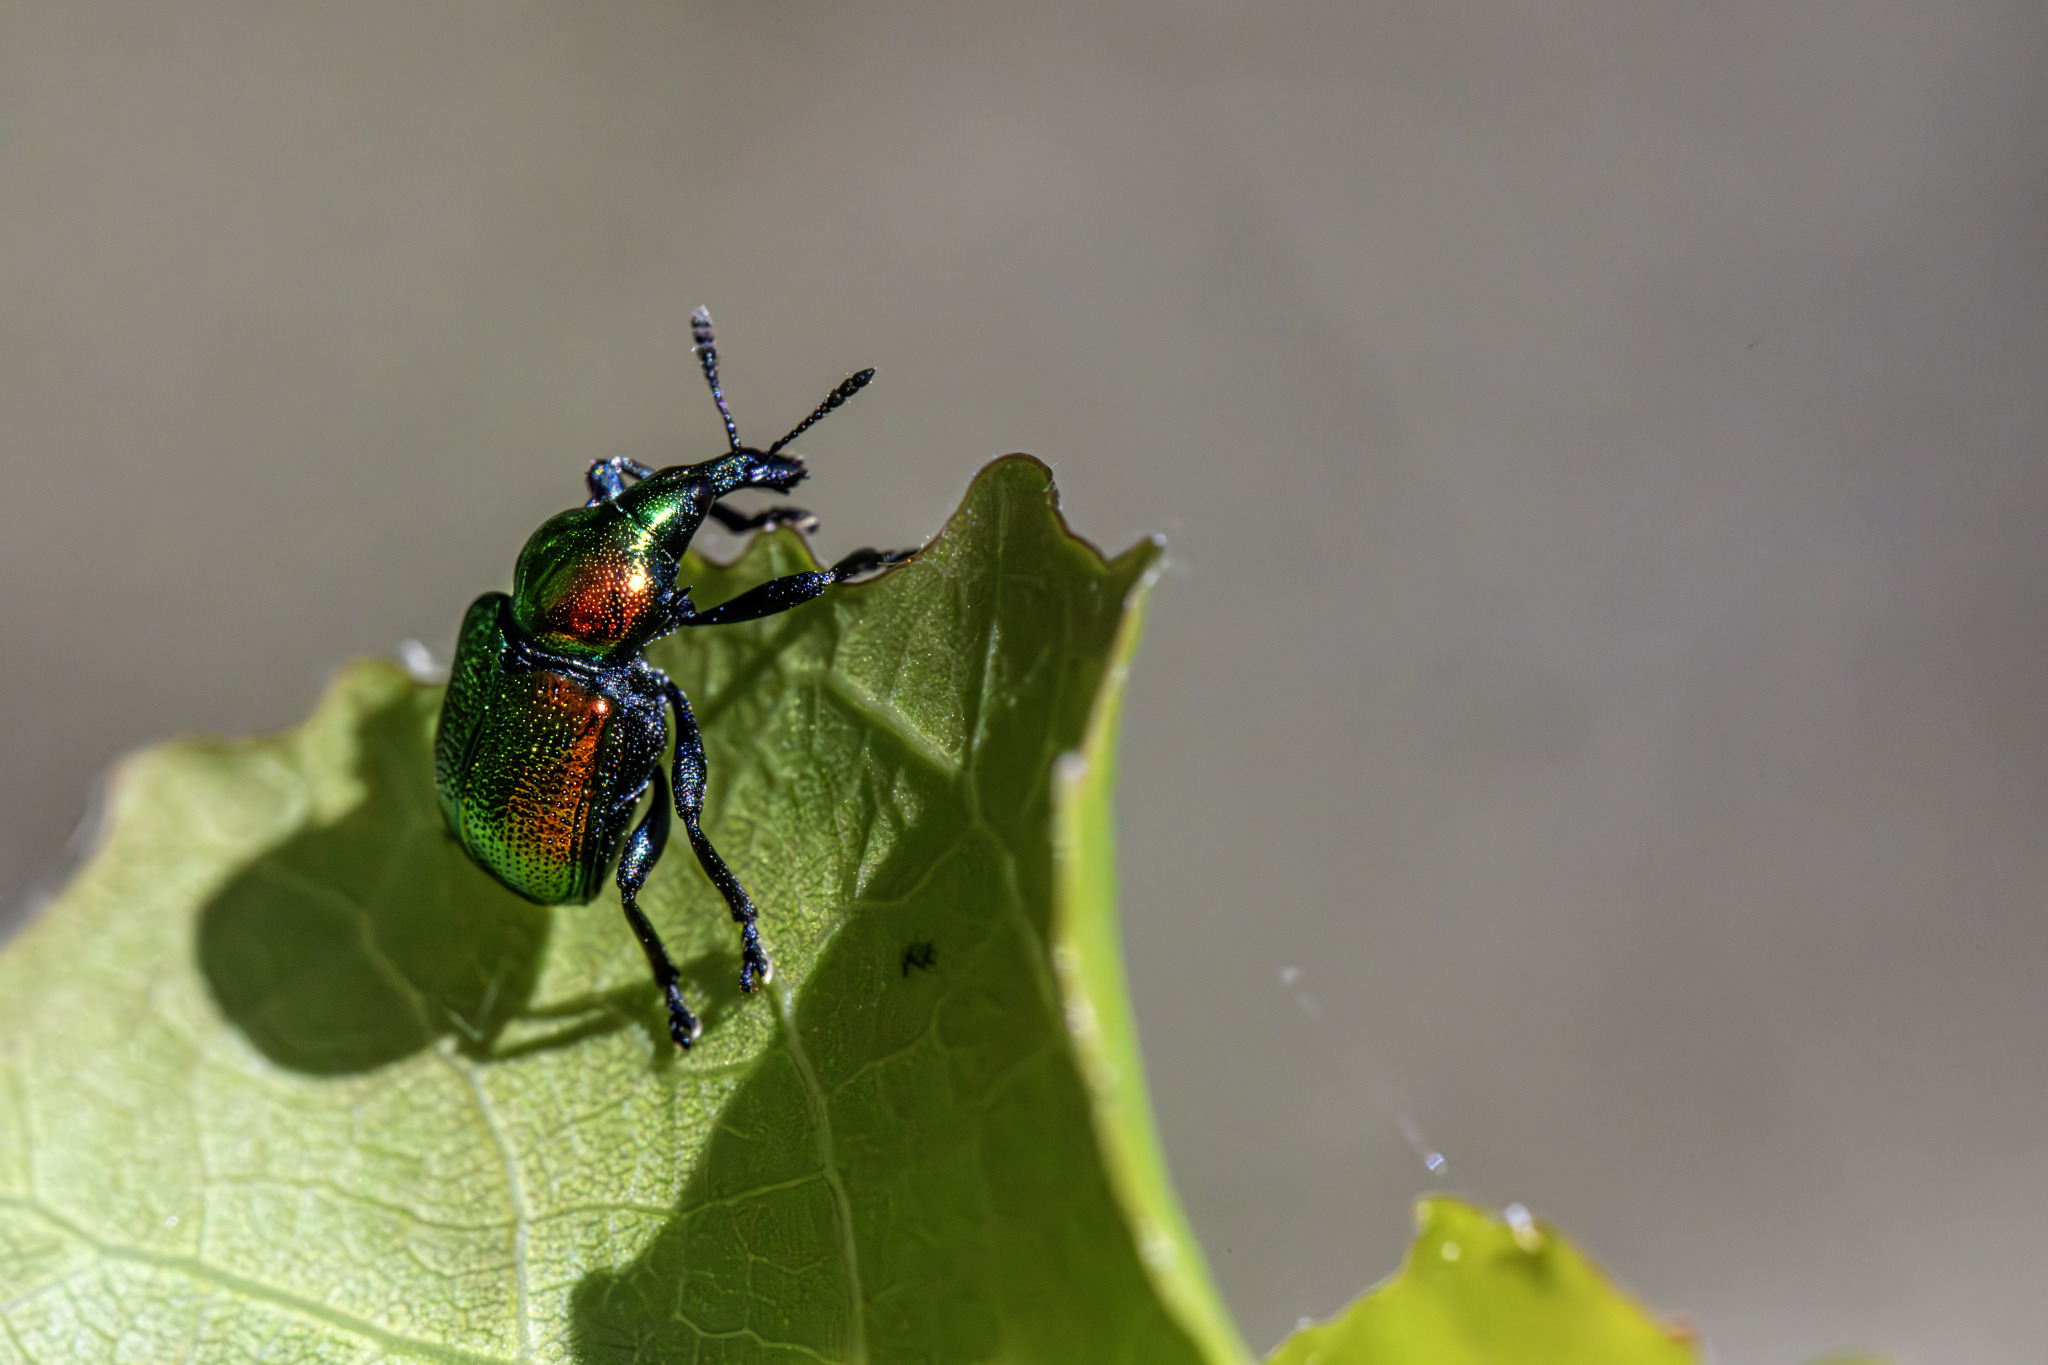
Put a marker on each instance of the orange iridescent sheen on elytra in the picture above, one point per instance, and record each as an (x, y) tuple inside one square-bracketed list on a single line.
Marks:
[(552, 828), (531, 763)]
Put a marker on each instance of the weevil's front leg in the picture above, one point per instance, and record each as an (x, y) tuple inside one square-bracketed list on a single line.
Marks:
[(643, 850), (606, 479), (768, 518), (792, 590), (755, 968)]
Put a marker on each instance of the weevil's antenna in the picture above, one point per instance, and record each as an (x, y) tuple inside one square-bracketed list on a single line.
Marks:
[(853, 385), (707, 356)]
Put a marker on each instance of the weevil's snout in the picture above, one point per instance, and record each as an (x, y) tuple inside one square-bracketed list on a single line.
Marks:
[(779, 472)]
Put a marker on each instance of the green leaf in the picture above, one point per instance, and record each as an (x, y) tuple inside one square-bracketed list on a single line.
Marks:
[(1477, 1290), (284, 1077)]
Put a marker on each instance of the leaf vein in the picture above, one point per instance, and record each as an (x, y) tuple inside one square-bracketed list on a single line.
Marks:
[(515, 1193), (888, 718), (213, 1277), (842, 1202)]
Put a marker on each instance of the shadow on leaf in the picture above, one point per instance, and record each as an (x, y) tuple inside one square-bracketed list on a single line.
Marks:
[(752, 1263), (907, 1171), (710, 981), (358, 943)]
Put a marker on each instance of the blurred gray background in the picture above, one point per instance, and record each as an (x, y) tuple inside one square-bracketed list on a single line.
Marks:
[(1595, 725)]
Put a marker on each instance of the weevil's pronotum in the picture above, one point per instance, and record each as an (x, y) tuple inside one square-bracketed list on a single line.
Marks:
[(554, 726)]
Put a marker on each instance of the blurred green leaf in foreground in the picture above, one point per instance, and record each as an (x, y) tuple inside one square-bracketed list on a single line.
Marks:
[(1479, 1290), (283, 1077)]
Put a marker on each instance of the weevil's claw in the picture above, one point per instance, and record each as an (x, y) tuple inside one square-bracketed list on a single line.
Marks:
[(756, 970), (682, 1025)]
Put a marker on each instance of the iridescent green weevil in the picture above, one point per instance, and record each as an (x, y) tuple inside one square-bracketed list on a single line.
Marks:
[(553, 727)]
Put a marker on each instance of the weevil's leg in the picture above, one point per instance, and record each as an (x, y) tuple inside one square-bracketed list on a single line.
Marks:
[(866, 560), (606, 479), (643, 850), (768, 518), (755, 968), (793, 590)]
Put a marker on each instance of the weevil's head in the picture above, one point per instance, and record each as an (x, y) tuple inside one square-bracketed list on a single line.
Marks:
[(777, 471)]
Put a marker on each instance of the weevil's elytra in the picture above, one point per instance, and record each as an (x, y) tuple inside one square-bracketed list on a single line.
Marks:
[(553, 727)]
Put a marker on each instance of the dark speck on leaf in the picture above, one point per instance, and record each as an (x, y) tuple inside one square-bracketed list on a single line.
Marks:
[(921, 955)]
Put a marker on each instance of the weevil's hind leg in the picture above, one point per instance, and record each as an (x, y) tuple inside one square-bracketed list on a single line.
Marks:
[(643, 850), (767, 519), (606, 479), (755, 968)]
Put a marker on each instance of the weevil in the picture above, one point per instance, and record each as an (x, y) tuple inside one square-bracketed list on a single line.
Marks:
[(554, 726)]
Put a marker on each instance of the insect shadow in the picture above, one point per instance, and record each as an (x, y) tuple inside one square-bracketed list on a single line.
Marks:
[(360, 942)]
